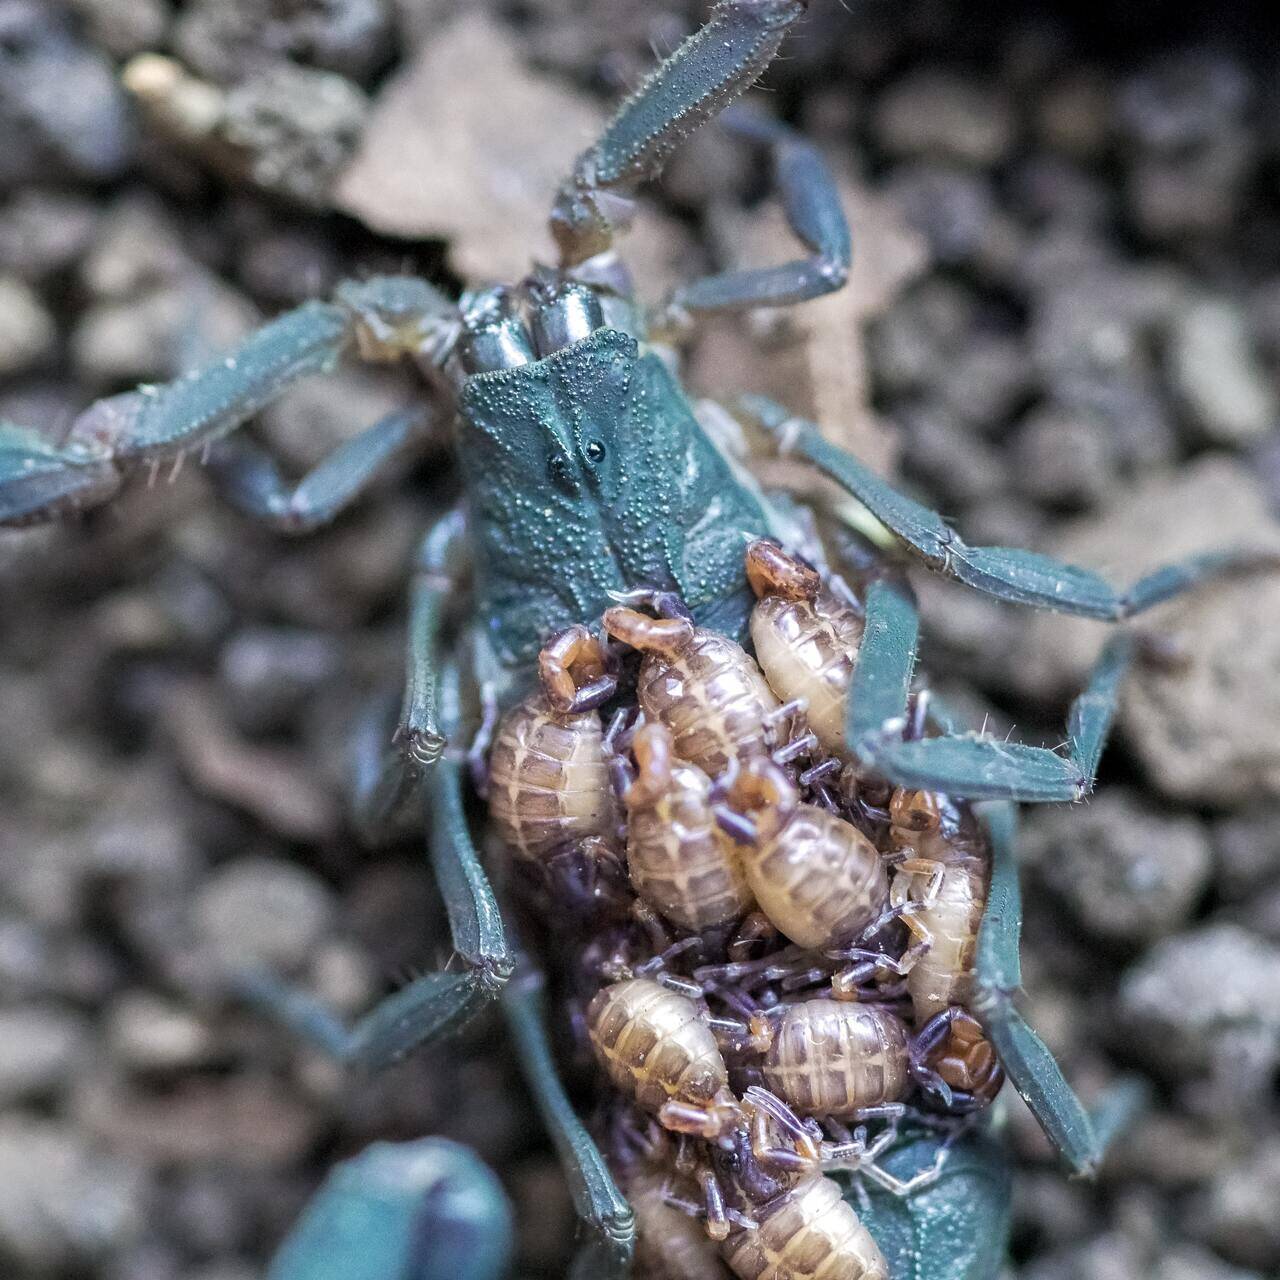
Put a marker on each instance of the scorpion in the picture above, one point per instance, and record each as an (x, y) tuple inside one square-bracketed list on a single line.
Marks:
[(589, 483)]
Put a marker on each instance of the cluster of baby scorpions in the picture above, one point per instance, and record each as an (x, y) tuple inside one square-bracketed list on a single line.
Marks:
[(771, 947)]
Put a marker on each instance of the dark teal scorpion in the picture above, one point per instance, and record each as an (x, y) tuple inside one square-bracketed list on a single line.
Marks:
[(586, 474)]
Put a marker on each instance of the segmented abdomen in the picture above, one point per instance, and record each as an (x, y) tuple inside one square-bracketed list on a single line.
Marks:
[(654, 1045), (806, 650), (807, 1233), (713, 699), (679, 860), (833, 1057), (548, 782), (819, 880), (943, 975)]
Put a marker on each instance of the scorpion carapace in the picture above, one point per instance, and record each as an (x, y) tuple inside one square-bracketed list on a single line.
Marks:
[(587, 475), (848, 951)]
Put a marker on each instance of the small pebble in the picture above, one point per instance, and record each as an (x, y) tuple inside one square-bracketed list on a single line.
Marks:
[(1229, 395), (27, 334), (41, 1049), (263, 911)]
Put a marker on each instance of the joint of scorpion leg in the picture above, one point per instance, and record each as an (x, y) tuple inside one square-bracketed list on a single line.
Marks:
[(492, 973), (584, 218), (684, 1118), (765, 1105), (394, 316), (670, 320), (619, 1226), (717, 1215), (423, 747), (760, 1033), (833, 270), (990, 1002)]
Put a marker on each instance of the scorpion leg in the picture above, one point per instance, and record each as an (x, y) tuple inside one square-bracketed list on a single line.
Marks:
[(610, 1224), (992, 769), (422, 1210), (381, 319), (977, 768), (383, 786), (886, 660), (248, 478), (814, 214), (1025, 1057), (1008, 573), (709, 69), (436, 1003)]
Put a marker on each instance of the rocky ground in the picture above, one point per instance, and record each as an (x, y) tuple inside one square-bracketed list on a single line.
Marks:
[(1064, 330)]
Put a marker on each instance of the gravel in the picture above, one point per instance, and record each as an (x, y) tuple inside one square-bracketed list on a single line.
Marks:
[(1130, 873)]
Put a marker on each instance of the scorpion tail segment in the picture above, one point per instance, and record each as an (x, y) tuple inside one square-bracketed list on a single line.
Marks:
[(1007, 573), (707, 71), (885, 663), (249, 479), (39, 481), (607, 1250), (1027, 1061), (816, 218), (429, 1209)]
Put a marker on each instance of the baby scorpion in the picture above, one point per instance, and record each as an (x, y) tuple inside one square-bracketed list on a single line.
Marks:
[(548, 780), (816, 876), (679, 859)]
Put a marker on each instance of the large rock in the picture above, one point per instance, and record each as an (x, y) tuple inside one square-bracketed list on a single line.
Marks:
[(1204, 727), (440, 159), (1207, 1003), (1128, 871), (62, 1202), (1225, 388)]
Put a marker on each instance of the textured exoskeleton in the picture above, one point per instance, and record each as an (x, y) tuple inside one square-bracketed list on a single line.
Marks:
[(816, 877), (701, 685), (809, 1232), (548, 781), (657, 1048), (679, 859), (587, 480), (805, 640), (837, 1058)]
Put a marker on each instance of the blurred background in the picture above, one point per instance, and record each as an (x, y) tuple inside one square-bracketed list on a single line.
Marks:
[(1063, 331)]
